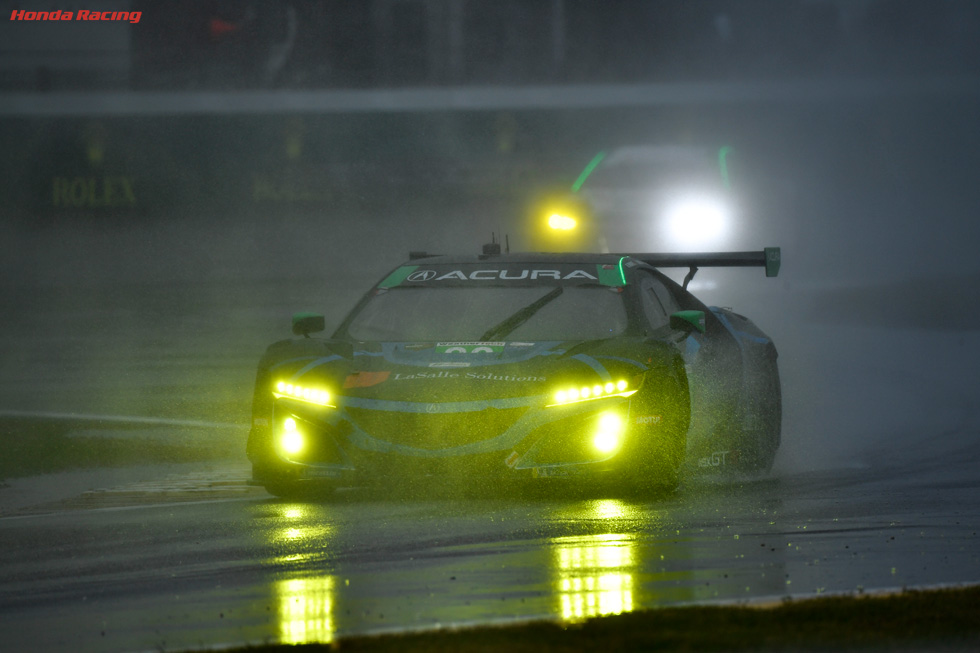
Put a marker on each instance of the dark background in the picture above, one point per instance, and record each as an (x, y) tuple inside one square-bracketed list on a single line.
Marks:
[(173, 189)]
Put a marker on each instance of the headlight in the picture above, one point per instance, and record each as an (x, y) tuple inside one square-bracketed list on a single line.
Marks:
[(291, 438), (575, 394), (608, 433), (560, 222), (696, 221), (310, 395)]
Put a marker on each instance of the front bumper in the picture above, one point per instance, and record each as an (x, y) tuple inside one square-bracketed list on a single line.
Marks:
[(357, 445)]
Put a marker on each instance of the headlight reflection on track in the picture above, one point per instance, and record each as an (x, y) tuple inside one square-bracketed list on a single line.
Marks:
[(306, 610), (594, 576)]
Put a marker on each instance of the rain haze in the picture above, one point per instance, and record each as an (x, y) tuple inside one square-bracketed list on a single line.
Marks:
[(178, 184)]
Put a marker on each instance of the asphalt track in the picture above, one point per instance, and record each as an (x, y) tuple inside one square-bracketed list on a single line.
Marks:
[(875, 487), (188, 556), (185, 556)]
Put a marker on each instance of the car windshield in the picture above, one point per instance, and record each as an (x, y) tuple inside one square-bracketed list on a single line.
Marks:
[(581, 312), (652, 175)]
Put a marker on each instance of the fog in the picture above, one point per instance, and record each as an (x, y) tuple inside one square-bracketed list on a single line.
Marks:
[(213, 217), (175, 188)]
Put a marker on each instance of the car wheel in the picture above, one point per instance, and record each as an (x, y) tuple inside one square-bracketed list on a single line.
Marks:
[(298, 490), (763, 441)]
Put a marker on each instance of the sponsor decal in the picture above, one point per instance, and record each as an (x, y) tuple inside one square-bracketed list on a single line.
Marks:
[(287, 189), (313, 472), (499, 377), (417, 346), (646, 420), (716, 459), (422, 275), (81, 14), (93, 192), (449, 364), (549, 472), (365, 379), (470, 347), (425, 375), (504, 274), (521, 344), (399, 376)]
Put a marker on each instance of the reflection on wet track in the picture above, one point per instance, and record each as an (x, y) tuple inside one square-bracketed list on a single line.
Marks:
[(305, 609), (594, 575), (158, 571), (875, 488)]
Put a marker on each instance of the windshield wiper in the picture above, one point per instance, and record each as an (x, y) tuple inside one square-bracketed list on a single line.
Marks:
[(501, 329)]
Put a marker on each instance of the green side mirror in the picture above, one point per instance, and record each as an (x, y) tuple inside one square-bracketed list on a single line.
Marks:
[(687, 321), (306, 323)]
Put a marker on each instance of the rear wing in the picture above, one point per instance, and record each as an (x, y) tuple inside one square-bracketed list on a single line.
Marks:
[(769, 258)]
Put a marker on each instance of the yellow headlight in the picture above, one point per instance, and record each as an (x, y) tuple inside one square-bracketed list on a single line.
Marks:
[(291, 438), (301, 393), (610, 423), (561, 222), (571, 395), (608, 432)]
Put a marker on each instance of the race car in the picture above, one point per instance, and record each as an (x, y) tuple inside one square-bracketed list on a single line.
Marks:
[(500, 369), (680, 195)]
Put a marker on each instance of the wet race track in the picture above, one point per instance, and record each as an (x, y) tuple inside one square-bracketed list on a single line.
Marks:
[(194, 559), (874, 489)]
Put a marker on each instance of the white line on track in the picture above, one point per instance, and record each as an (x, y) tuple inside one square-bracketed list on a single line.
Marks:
[(119, 419)]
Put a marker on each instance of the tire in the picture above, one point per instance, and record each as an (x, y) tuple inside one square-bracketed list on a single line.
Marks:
[(299, 490), (282, 484), (764, 442), (665, 459)]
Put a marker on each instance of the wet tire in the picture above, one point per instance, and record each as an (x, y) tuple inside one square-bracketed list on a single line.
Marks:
[(762, 443), (299, 490)]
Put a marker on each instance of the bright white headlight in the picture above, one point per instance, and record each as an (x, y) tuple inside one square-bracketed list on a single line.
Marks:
[(696, 221)]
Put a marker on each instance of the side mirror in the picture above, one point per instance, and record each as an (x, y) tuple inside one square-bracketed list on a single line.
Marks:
[(687, 321), (306, 323)]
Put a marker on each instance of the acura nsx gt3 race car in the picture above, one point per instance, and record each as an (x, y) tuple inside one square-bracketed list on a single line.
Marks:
[(505, 367)]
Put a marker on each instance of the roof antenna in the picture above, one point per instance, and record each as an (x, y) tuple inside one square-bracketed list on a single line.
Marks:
[(492, 248), (507, 243)]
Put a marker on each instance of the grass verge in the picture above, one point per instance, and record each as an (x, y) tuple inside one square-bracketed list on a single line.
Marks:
[(939, 620), (33, 446)]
